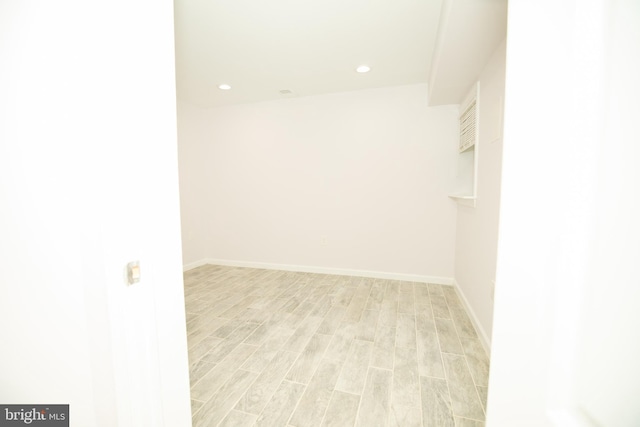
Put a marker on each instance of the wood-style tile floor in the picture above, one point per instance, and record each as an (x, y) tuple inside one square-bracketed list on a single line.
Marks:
[(276, 348)]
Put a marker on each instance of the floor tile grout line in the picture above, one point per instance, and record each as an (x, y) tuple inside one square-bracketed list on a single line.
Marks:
[(418, 367), (238, 400), (453, 415), (240, 410), (266, 287), (306, 387), (475, 387), (421, 408), (217, 364), (444, 369), (391, 391), (466, 361), (294, 382), (470, 419), (317, 367), (355, 421), (393, 361), (201, 377), (327, 409)]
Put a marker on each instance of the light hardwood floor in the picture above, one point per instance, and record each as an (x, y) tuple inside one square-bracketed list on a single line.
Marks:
[(275, 348)]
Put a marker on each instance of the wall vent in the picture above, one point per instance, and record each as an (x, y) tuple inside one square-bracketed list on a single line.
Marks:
[(469, 121)]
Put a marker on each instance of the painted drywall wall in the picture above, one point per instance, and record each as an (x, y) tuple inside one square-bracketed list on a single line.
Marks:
[(192, 133), (477, 228), (89, 182), (356, 180), (565, 345)]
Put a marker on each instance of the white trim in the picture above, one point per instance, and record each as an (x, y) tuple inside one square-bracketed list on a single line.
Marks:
[(571, 417), (325, 270), (484, 338), (192, 265), (466, 200)]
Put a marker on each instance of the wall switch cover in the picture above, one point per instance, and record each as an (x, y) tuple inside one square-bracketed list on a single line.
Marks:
[(133, 272)]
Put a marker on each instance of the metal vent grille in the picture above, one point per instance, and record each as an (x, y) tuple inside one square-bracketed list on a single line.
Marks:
[(468, 126)]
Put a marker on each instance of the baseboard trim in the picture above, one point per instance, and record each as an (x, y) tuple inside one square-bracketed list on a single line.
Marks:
[(325, 270), (192, 265), (484, 338)]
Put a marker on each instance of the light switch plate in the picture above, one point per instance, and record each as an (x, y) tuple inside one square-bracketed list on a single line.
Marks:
[(133, 272)]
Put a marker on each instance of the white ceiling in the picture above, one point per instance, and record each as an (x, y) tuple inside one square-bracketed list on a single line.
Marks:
[(310, 47), (470, 30)]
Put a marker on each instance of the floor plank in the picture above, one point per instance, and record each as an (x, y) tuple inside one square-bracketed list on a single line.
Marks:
[(281, 348)]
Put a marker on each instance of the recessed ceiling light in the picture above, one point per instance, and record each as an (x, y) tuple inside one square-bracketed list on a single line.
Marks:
[(224, 87), (363, 69)]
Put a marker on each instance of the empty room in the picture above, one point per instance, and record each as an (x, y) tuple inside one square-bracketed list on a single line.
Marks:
[(336, 213), (339, 179)]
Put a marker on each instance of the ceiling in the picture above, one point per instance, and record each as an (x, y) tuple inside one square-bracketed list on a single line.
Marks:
[(311, 47), (470, 30)]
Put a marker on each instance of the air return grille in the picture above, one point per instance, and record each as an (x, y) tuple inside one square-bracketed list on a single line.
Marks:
[(468, 125)]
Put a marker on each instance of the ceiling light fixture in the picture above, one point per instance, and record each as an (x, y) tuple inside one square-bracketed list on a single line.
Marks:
[(224, 87), (363, 69)]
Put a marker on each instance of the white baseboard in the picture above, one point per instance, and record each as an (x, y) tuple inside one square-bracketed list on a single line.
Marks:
[(192, 265), (325, 270), (484, 338)]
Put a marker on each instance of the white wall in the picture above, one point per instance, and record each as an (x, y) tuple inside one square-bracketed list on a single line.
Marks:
[(565, 340), (192, 134), (88, 182), (477, 228), (369, 171)]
